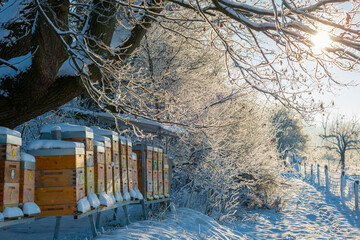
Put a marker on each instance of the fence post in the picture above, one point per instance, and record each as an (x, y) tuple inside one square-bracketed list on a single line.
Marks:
[(305, 169), (327, 182), (342, 185), (356, 191), (318, 174), (312, 173)]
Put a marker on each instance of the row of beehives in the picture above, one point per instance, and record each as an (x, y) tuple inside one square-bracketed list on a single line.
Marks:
[(78, 168)]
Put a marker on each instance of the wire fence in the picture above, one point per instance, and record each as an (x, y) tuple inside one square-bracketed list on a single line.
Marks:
[(345, 187)]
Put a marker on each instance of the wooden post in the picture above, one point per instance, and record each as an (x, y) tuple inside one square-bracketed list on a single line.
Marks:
[(57, 227), (98, 217), (305, 169), (342, 185), (312, 173), (126, 214), (356, 191), (142, 201), (327, 182), (318, 174), (92, 225)]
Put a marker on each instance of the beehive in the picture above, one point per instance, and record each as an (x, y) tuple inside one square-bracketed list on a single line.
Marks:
[(123, 166), (10, 144), (115, 159), (82, 134), (27, 178), (166, 176), (129, 163), (59, 180), (144, 156), (155, 175), (109, 182), (138, 194), (99, 166), (160, 173)]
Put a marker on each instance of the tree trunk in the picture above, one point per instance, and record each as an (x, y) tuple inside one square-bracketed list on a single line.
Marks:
[(342, 160)]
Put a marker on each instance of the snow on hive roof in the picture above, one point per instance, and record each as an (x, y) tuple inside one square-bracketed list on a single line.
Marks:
[(111, 134), (99, 146), (10, 136), (66, 127), (67, 131), (105, 140), (54, 144), (25, 157), (8, 131)]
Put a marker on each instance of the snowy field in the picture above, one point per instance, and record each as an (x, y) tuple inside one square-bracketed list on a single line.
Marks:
[(308, 214)]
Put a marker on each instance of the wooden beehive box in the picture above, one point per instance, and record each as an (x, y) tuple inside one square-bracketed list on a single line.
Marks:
[(99, 167), (27, 178), (166, 176), (144, 156), (10, 147), (135, 177), (108, 169), (155, 175), (129, 163), (114, 138), (160, 173), (82, 134), (59, 181)]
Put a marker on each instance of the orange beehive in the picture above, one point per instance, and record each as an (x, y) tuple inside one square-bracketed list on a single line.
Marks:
[(108, 169), (144, 156), (99, 166), (160, 173), (155, 175), (59, 180), (10, 144), (166, 176), (82, 134), (115, 158)]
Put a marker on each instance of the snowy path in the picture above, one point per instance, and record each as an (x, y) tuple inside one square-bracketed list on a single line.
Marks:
[(308, 214)]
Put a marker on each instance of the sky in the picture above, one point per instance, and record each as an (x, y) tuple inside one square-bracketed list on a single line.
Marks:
[(345, 99)]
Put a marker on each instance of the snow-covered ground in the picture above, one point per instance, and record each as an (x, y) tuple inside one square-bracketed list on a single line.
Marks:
[(308, 214), (182, 223)]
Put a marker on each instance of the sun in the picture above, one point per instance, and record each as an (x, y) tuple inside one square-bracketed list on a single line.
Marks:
[(320, 40)]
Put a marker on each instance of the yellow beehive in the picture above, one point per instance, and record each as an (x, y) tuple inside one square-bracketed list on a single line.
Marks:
[(59, 181), (27, 178)]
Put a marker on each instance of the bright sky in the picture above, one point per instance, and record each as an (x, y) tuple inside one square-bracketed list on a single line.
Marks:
[(345, 99)]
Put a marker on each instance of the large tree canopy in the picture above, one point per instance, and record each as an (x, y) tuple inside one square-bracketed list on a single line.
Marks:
[(52, 50)]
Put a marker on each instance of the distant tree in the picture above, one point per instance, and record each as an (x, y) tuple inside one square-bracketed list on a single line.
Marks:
[(341, 136), (289, 132)]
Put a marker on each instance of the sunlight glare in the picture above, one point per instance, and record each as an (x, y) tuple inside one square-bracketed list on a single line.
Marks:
[(320, 40)]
